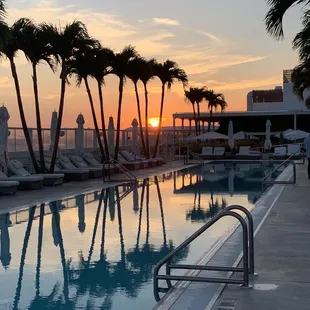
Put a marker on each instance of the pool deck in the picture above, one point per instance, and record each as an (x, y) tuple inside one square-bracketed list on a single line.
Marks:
[(25, 199), (282, 256)]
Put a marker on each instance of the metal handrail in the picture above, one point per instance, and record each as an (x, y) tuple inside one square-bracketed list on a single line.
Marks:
[(195, 156), (123, 169), (245, 269), (290, 161)]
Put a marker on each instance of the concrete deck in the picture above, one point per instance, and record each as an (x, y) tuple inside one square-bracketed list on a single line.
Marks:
[(25, 199), (282, 253)]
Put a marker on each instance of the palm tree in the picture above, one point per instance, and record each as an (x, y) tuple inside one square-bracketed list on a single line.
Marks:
[(9, 49), (33, 43), (147, 74), (214, 100), (103, 57), (190, 96), (274, 17), (167, 72), (63, 43), (301, 79), (301, 42), (120, 64), (135, 68), (82, 66)]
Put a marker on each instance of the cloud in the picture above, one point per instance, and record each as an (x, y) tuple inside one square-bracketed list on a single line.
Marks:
[(210, 36), (5, 82), (166, 21), (269, 82)]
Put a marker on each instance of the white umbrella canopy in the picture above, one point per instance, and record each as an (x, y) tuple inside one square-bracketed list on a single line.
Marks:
[(239, 135), (210, 136), (111, 135), (268, 144), (79, 134), (284, 133), (231, 141), (4, 130), (296, 135), (53, 129)]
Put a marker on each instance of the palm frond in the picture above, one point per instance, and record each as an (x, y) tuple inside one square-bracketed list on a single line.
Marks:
[(2, 12), (301, 79)]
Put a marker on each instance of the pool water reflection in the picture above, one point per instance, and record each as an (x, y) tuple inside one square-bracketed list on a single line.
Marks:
[(98, 251)]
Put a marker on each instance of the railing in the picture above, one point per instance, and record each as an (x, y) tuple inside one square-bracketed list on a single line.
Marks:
[(289, 160), (114, 163), (248, 256), (195, 156)]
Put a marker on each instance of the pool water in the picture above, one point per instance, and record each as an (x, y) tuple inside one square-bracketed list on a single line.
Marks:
[(98, 250)]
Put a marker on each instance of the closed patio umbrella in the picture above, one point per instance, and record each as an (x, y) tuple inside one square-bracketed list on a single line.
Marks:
[(79, 134), (231, 141), (268, 144), (4, 131), (53, 129), (111, 135)]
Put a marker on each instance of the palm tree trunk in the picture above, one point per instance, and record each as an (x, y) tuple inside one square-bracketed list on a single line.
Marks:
[(60, 115), (119, 115), (140, 119), (160, 119), (198, 122), (38, 116), (147, 153), (210, 121), (104, 132), (22, 116), (90, 98), (195, 117)]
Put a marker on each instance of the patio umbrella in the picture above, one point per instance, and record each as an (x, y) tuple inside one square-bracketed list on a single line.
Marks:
[(268, 144), (135, 129), (239, 135), (231, 141), (296, 135), (231, 176), (211, 136), (79, 134), (111, 132)]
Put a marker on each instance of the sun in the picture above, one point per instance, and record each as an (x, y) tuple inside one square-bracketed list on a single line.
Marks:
[(154, 122)]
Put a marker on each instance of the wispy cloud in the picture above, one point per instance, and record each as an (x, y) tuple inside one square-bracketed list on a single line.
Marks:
[(5, 82), (210, 36), (166, 21)]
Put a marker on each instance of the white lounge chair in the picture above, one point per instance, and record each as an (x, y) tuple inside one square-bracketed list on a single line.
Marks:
[(25, 183), (218, 152), (49, 179), (8, 187), (279, 152), (206, 152), (78, 162), (144, 163), (70, 175), (246, 153), (293, 150)]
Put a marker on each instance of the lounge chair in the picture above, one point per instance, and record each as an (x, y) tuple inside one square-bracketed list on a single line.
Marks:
[(218, 153), (49, 179), (246, 153), (144, 163), (293, 150), (206, 152), (78, 162), (152, 162), (8, 187), (91, 161), (279, 152), (127, 164), (25, 183), (70, 175)]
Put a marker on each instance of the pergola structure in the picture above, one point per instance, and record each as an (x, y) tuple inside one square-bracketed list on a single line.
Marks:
[(248, 121)]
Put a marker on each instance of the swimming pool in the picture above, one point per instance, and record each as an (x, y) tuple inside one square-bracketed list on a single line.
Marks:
[(98, 250)]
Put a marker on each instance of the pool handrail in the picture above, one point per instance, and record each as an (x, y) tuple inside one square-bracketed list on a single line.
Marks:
[(289, 160), (122, 168), (246, 249), (195, 156)]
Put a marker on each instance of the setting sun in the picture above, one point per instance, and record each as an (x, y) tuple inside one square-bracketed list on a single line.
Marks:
[(154, 122)]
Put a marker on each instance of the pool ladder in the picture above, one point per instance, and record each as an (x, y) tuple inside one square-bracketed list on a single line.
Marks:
[(195, 156), (248, 256)]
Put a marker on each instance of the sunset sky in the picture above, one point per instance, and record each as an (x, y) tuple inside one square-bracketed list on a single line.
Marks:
[(220, 43)]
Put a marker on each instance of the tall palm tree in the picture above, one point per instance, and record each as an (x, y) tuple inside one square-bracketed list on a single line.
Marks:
[(274, 17), (135, 68), (9, 48), (301, 79), (120, 64), (103, 57), (35, 47), (301, 41), (147, 74), (190, 96), (82, 65), (167, 72), (214, 100), (63, 41)]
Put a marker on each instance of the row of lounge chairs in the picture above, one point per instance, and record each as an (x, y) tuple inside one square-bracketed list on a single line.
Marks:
[(68, 168), (245, 152)]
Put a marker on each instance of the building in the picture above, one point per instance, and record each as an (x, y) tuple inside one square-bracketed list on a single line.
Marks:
[(280, 98)]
